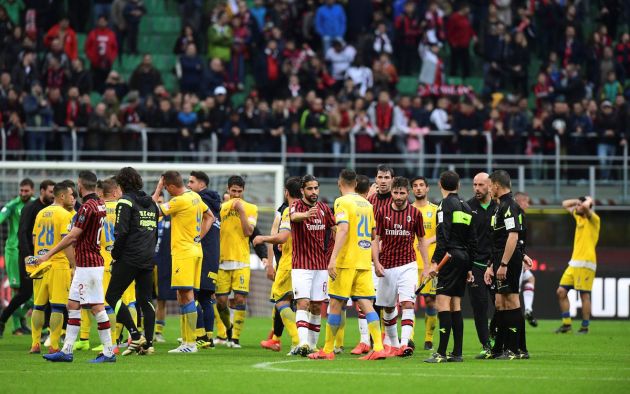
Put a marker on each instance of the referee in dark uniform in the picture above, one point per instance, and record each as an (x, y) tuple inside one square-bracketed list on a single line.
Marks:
[(483, 207), (454, 235), (505, 267)]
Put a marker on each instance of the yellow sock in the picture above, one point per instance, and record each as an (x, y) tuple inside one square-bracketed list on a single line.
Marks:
[(199, 332), (56, 323), (221, 329), (288, 318), (191, 325), (182, 327), (86, 323), (159, 328), (341, 331), (566, 319), (239, 321), (374, 326), (332, 326), (134, 315), (37, 324), (210, 334), (429, 327)]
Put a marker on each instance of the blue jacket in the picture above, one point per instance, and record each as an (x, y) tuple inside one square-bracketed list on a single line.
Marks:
[(330, 21)]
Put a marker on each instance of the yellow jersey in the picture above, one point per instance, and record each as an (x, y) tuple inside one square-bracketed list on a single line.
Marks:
[(429, 219), (51, 225), (586, 237), (107, 233), (235, 244), (186, 211), (287, 247), (359, 214)]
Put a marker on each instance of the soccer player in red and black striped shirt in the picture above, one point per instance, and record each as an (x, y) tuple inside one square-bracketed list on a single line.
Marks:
[(87, 284), (397, 226), (309, 220), (382, 197)]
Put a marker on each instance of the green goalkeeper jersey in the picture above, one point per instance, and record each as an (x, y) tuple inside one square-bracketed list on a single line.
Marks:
[(12, 212)]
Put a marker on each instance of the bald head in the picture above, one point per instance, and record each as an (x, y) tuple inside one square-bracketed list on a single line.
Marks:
[(481, 187)]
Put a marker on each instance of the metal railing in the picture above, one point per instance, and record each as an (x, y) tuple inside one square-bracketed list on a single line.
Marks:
[(557, 164)]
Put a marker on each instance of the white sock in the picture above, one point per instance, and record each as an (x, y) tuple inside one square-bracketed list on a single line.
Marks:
[(406, 326), (364, 331), (313, 335), (104, 333), (301, 320), (72, 330), (528, 296), (391, 327)]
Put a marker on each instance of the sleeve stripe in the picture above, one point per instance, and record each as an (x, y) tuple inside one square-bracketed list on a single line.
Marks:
[(125, 201)]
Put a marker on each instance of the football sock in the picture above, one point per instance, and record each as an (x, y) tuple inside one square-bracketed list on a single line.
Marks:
[(390, 321), (239, 320), (72, 330), (585, 323), (406, 326), (124, 317), (332, 325), (528, 297), (341, 331), (363, 329), (566, 318), (104, 333), (224, 321), (37, 324), (111, 315), (159, 326), (288, 319), (314, 327), (457, 322), (445, 330), (374, 326), (301, 321), (522, 338), (430, 320), (189, 312), (56, 325), (134, 312), (205, 300), (199, 330), (86, 323), (278, 323), (511, 320)]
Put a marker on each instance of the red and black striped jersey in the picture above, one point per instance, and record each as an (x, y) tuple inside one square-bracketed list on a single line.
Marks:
[(398, 230), (379, 201), (309, 237), (90, 218)]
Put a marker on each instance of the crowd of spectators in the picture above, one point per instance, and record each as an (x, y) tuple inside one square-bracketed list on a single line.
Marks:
[(322, 71)]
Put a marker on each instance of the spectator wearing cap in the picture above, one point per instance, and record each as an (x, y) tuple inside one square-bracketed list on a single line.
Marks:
[(607, 129), (145, 77), (330, 23), (101, 48), (220, 39), (66, 35), (459, 34)]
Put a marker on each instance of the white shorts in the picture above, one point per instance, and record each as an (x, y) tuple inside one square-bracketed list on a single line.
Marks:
[(400, 281), (525, 276), (87, 286), (311, 284)]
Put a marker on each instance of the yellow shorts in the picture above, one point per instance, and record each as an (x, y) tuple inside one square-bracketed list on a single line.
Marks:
[(186, 273), (282, 285), (578, 278), (54, 287), (107, 277), (351, 283), (429, 289), (129, 295), (236, 281)]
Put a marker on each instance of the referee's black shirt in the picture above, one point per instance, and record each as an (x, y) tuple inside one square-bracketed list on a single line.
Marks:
[(481, 221), (508, 218), (454, 230)]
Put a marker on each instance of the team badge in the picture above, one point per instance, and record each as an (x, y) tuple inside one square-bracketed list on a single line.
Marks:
[(408, 218)]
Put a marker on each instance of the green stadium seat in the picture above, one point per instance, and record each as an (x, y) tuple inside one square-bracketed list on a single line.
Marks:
[(407, 85)]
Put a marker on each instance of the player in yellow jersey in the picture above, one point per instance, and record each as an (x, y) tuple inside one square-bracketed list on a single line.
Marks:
[(282, 290), (420, 188), (238, 219), (51, 225), (190, 221), (580, 273), (350, 266)]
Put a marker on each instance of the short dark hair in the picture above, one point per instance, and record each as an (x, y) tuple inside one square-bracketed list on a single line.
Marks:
[(202, 176), (363, 184), (88, 179), (27, 182), (308, 178), (172, 178), (349, 177), (400, 182), (583, 198), (502, 178), (419, 178), (108, 185), (72, 186), (46, 183), (128, 179), (385, 168), (449, 180), (236, 180), (293, 185), (59, 188)]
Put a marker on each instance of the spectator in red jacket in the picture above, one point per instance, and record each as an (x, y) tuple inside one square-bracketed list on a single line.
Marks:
[(101, 49), (66, 35), (459, 34)]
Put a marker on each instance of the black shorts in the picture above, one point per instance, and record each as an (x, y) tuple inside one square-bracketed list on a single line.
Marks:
[(511, 284), (210, 262), (452, 278)]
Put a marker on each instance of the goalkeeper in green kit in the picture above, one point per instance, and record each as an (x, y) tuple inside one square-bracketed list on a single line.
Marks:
[(11, 213)]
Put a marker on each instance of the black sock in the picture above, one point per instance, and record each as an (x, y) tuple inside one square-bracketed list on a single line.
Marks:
[(499, 331), (522, 339), (445, 330), (278, 325), (513, 328), (458, 332)]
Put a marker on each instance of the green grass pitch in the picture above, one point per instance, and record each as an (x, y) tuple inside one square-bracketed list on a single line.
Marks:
[(595, 363)]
